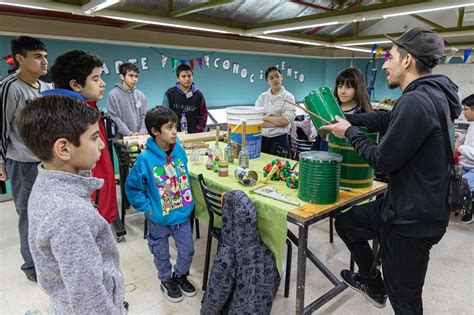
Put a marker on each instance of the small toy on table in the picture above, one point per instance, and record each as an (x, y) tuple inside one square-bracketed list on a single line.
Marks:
[(281, 171), (292, 181)]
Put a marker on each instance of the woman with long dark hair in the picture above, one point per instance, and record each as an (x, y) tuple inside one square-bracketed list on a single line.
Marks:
[(352, 96), (351, 92)]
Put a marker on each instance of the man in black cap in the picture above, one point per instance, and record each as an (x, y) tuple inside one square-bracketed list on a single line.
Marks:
[(414, 213)]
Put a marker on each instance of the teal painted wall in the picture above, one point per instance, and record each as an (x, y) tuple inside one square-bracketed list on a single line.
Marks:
[(221, 87)]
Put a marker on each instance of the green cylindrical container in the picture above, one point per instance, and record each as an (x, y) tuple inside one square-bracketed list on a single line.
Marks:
[(355, 172), (319, 177), (322, 102)]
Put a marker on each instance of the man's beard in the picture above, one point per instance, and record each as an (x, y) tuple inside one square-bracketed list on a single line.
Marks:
[(392, 85)]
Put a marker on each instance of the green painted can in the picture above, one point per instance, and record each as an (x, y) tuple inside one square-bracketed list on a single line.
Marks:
[(322, 102), (355, 172), (319, 177)]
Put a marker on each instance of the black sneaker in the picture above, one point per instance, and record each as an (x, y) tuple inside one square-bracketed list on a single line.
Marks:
[(171, 290), (186, 287), (356, 282), (467, 218)]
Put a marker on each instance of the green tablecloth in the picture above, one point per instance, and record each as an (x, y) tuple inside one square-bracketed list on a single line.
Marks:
[(272, 214)]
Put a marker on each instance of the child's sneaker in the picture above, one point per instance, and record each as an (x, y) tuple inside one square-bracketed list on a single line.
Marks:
[(356, 282), (186, 287), (171, 290), (467, 218)]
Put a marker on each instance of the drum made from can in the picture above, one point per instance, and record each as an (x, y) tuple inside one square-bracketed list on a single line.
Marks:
[(319, 175), (355, 172)]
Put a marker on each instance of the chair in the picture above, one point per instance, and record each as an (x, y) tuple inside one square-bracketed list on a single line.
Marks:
[(280, 151), (214, 207), (297, 146)]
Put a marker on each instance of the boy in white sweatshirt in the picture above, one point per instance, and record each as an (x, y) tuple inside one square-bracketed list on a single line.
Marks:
[(466, 149)]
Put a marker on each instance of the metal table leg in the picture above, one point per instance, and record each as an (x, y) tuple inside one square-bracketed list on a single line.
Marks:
[(301, 267)]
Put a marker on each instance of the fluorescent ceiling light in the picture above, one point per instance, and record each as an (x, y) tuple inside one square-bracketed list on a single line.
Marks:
[(368, 43), (355, 49), (29, 6), (166, 24), (289, 40), (300, 27), (428, 10), (97, 5)]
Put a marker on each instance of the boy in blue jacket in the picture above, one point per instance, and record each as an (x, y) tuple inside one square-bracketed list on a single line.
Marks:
[(158, 185)]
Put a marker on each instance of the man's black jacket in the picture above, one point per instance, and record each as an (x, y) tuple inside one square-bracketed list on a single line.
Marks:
[(412, 154)]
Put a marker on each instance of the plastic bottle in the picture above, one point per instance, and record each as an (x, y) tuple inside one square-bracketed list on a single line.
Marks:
[(244, 153), (228, 150), (216, 149), (183, 123), (209, 163)]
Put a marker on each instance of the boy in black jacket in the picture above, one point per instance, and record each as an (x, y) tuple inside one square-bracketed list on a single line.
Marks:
[(413, 215), (185, 99)]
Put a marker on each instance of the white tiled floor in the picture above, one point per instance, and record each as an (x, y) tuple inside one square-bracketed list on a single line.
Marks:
[(449, 287)]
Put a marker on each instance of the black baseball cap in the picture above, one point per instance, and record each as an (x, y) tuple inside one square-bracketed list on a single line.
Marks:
[(426, 45)]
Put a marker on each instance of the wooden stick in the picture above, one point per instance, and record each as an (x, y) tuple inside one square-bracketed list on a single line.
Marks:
[(309, 112), (218, 128)]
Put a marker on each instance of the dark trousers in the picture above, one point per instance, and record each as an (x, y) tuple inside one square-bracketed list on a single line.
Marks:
[(319, 144), (404, 261), (271, 145), (22, 177)]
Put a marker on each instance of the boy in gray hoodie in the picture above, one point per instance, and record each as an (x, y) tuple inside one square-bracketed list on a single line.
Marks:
[(127, 105), (76, 259)]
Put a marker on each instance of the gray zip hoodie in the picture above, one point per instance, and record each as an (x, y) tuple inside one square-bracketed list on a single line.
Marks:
[(127, 109), (76, 259)]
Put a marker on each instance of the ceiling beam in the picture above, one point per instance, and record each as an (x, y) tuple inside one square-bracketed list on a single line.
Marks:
[(327, 16), (461, 16), (312, 5), (132, 26), (357, 27), (426, 21), (467, 31), (198, 7), (356, 14)]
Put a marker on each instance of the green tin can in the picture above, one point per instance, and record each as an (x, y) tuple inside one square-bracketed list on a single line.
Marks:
[(319, 175), (355, 172), (322, 102)]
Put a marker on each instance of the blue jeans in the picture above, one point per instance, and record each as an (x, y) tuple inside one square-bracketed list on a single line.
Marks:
[(157, 237), (319, 144), (468, 173)]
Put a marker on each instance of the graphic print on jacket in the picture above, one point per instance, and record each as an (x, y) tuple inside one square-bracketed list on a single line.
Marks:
[(175, 191), (158, 184)]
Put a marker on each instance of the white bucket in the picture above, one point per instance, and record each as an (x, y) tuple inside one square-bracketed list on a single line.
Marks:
[(253, 116)]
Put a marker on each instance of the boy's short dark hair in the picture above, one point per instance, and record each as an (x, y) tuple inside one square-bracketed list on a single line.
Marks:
[(159, 116), (127, 66), (468, 101), (46, 119), (74, 65), (181, 68), (23, 44), (270, 69)]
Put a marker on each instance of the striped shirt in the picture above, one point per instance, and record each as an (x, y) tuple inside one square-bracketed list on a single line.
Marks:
[(14, 92)]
